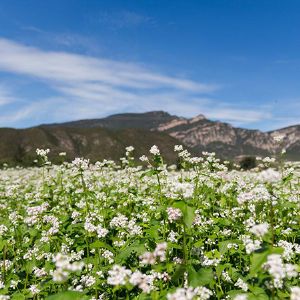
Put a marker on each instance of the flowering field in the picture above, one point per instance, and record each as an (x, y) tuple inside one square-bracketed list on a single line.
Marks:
[(148, 231)]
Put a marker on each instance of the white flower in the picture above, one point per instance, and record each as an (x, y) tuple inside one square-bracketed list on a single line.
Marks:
[(34, 289), (42, 152), (2, 285), (189, 293), (241, 297), (64, 266), (129, 148), (278, 270), (226, 276), (288, 252), (39, 272), (88, 280), (59, 275), (290, 270), (154, 150), (269, 175), (143, 281), (108, 255), (250, 245), (147, 258), (260, 229), (81, 163), (173, 214), (178, 148), (295, 293), (144, 158), (241, 284), (118, 275), (136, 278), (173, 237), (3, 229), (101, 232), (160, 251), (158, 254)]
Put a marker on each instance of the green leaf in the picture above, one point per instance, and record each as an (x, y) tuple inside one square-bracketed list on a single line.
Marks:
[(262, 296), (150, 172), (2, 244), (153, 232), (257, 293), (189, 216), (180, 204), (220, 269), (198, 244), (99, 244), (257, 260), (174, 246), (200, 278), (187, 211), (180, 269), (234, 293), (29, 265), (223, 246), (277, 250), (136, 247), (17, 296), (68, 295)]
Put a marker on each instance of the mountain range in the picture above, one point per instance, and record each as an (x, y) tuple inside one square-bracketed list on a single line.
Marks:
[(107, 138)]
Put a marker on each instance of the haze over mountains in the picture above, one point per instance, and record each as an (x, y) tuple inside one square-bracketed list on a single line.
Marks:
[(107, 138)]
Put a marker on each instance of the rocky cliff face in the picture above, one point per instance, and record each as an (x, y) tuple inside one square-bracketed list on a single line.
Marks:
[(201, 133), (291, 140)]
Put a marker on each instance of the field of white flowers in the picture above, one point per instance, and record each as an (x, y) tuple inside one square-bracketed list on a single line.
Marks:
[(149, 231)]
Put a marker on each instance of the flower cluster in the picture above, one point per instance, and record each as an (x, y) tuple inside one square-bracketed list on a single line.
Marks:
[(200, 229)]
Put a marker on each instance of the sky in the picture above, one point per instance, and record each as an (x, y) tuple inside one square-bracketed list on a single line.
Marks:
[(236, 61)]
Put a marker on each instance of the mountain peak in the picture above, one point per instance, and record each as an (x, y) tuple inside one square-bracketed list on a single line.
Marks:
[(158, 113), (197, 118), (154, 113)]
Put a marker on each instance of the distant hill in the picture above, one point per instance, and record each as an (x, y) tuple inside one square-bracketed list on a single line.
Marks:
[(18, 145), (107, 138), (202, 134), (148, 120)]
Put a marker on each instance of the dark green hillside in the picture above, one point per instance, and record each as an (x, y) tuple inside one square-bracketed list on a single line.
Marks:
[(148, 120), (18, 145)]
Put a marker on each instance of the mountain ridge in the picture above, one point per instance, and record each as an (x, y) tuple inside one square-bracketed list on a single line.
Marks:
[(200, 133), (107, 137), (157, 113)]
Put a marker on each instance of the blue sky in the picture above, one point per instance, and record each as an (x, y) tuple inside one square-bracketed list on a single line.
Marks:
[(236, 61)]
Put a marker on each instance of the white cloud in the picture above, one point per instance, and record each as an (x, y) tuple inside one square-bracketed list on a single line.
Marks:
[(6, 96), (89, 87), (67, 68), (238, 116)]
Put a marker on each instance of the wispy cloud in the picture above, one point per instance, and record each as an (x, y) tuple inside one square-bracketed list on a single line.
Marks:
[(89, 87), (71, 69), (63, 39), (238, 116), (6, 96), (123, 19)]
